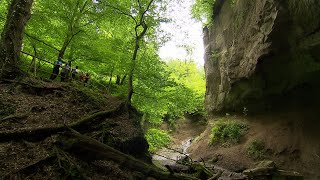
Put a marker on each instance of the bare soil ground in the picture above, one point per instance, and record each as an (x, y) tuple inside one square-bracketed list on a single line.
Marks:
[(291, 140), (187, 129)]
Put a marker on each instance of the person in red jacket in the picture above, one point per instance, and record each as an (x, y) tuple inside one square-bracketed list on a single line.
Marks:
[(87, 77)]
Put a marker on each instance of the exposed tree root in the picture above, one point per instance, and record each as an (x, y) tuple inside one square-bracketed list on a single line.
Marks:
[(88, 149), (31, 168), (15, 117), (84, 125)]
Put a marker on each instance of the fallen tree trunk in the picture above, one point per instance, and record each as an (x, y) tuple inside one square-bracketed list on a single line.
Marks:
[(83, 125), (89, 149)]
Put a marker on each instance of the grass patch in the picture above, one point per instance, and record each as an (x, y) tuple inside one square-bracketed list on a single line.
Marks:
[(227, 132), (256, 149), (157, 139)]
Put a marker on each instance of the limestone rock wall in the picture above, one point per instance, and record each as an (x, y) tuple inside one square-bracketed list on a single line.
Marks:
[(260, 50)]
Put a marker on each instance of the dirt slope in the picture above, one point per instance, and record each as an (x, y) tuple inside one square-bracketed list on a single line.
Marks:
[(30, 106), (290, 140)]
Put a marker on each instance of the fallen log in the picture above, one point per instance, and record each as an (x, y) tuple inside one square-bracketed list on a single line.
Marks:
[(204, 173), (89, 149), (178, 168), (216, 176), (269, 171), (83, 125)]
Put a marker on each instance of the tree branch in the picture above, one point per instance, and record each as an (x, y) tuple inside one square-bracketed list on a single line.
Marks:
[(121, 12), (39, 40), (147, 9), (90, 149)]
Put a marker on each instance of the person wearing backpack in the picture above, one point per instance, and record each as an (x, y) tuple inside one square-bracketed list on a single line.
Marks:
[(74, 72), (56, 69), (65, 72)]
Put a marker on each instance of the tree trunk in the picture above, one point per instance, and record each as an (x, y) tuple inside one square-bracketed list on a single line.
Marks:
[(89, 149), (110, 81), (35, 134), (139, 36), (65, 45), (123, 79), (72, 30), (33, 66), (11, 38), (118, 80), (133, 62)]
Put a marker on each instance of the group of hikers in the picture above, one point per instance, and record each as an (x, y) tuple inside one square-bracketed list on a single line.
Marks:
[(66, 70)]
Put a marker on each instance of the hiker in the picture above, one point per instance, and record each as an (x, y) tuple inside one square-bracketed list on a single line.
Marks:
[(56, 68), (82, 77), (65, 72), (87, 77), (74, 72)]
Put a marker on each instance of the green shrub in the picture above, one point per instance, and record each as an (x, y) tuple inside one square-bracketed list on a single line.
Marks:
[(157, 139), (256, 149), (227, 132)]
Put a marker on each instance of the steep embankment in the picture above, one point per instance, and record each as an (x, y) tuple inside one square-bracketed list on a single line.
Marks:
[(282, 139), (262, 58), (35, 142)]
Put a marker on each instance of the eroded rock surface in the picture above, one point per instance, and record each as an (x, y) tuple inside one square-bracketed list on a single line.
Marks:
[(262, 53)]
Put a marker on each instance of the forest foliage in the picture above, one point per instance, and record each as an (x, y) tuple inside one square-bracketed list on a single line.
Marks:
[(101, 38), (202, 10)]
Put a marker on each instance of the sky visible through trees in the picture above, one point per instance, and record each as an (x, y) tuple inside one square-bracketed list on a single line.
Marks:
[(118, 43), (186, 34)]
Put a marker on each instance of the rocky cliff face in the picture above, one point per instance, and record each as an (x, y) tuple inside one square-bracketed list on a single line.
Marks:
[(262, 53)]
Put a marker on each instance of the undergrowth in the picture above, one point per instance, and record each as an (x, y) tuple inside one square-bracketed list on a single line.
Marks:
[(157, 139), (90, 95), (226, 132), (256, 149)]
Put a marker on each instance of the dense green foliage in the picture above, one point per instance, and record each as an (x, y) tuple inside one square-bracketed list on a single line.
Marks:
[(157, 139), (227, 132), (202, 10), (256, 149), (101, 38), (170, 91)]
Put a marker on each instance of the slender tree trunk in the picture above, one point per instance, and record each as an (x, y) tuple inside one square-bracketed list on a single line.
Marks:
[(65, 45), (110, 81), (123, 79), (134, 57), (118, 80), (11, 38), (72, 27), (35, 61), (32, 66), (133, 62)]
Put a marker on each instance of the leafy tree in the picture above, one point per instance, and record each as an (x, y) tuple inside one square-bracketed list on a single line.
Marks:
[(168, 90), (141, 13), (116, 41), (59, 22), (108, 47)]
